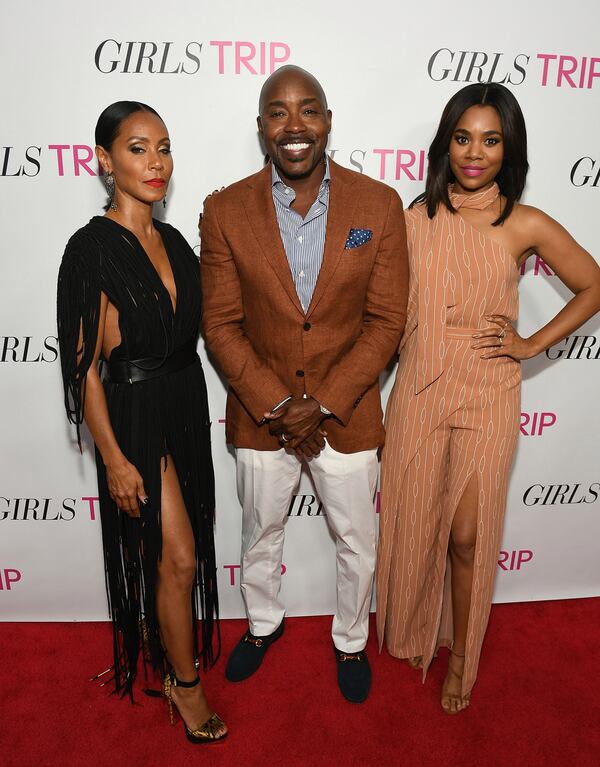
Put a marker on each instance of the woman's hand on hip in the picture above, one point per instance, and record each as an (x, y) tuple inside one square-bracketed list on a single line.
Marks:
[(502, 340)]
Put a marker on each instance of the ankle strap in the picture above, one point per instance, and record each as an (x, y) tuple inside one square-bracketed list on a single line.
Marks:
[(181, 683)]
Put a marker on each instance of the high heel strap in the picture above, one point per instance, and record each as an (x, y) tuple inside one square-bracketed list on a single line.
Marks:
[(176, 682)]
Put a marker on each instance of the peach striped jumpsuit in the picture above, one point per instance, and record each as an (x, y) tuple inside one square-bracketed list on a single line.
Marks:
[(451, 415)]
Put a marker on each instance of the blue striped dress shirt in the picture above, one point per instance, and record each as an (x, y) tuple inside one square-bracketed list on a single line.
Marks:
[(303, 238)]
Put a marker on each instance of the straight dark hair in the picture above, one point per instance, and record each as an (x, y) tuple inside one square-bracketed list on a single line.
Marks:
[(512, 175)]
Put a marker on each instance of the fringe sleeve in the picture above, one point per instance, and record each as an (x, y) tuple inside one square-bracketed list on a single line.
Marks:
[(78, 314)]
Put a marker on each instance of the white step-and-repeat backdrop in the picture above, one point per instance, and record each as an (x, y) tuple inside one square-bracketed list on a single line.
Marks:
[(388, 68)]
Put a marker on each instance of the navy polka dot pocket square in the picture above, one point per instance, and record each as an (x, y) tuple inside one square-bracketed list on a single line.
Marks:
[(358, 237)]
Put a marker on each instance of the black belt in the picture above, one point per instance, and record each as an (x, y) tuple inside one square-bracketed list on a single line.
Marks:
[(133, 371)]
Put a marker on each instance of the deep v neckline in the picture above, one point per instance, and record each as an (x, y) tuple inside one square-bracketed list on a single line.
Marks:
[(137, 244)]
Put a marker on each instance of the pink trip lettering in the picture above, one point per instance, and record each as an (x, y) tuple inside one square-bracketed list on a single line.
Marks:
[(540, 266), (8, 576), (234, 568), (408, 163), (82, 162), (257, 58), (92, 500), (570, 70), (81, 154), (513, 560), (533, 424)]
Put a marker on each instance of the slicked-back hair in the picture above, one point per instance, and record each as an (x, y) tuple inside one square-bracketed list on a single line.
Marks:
[(512, 175), (109, 122)]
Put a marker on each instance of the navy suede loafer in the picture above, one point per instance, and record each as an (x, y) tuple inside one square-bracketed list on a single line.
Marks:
[(354, 675), (248, 654)]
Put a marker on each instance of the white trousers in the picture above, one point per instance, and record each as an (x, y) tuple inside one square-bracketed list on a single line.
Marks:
[(346, 484)]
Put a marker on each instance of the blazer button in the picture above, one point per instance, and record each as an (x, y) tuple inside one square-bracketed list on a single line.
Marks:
[(307, 326), (300, 373)]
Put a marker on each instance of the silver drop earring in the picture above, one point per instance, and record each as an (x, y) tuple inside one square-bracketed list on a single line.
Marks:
[(165, 201), (109, 183)]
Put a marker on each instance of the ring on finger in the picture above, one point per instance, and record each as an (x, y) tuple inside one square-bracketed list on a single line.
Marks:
[(503, 333), (283, 438)]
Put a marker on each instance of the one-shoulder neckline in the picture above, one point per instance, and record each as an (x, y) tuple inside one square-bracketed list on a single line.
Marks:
[(490, 239)]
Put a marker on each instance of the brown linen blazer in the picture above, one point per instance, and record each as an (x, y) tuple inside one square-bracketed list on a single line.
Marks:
[(257, 331)]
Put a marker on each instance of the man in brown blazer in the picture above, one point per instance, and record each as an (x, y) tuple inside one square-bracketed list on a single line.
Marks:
[(304, 279)]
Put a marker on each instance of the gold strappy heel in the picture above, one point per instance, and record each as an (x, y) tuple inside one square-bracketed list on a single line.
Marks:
[(205, 734)]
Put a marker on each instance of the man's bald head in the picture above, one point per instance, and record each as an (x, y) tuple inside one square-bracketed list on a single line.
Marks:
[(294, 124), (285, 75)]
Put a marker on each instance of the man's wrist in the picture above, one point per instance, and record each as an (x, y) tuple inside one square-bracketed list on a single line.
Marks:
[(281, 403), (277, 407)]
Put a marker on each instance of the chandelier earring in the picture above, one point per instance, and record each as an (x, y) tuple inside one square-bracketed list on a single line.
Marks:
[(109, 183)]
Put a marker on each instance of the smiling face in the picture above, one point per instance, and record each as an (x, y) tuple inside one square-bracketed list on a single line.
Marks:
[(295, 123), (140, 159), (476, 150)]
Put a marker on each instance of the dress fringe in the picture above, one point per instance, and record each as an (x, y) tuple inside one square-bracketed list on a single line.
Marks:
[(170, 411)]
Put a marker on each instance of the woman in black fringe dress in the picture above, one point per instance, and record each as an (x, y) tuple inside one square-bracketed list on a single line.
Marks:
[(129, 299)]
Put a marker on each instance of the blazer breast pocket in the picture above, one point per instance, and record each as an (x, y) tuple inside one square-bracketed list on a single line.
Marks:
[(357, 238)]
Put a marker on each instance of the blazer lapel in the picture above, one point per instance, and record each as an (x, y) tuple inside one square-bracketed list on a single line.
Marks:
[(342, 204), (263, 221)]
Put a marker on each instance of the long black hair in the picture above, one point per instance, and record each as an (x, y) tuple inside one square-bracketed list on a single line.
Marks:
[(512, 175)]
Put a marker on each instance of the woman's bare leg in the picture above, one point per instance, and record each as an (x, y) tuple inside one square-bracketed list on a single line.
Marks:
[(463, 537), (173, 599)]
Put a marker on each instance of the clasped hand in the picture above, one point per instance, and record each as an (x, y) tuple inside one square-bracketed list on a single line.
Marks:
[(297, 425)]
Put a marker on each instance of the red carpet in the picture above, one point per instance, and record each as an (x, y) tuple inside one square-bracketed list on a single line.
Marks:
[(537, 701)]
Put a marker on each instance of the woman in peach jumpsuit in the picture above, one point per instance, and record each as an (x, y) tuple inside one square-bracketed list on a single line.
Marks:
[(453, 416)]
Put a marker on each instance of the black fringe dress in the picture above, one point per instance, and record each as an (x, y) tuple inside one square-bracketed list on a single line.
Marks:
[(165, 415)]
